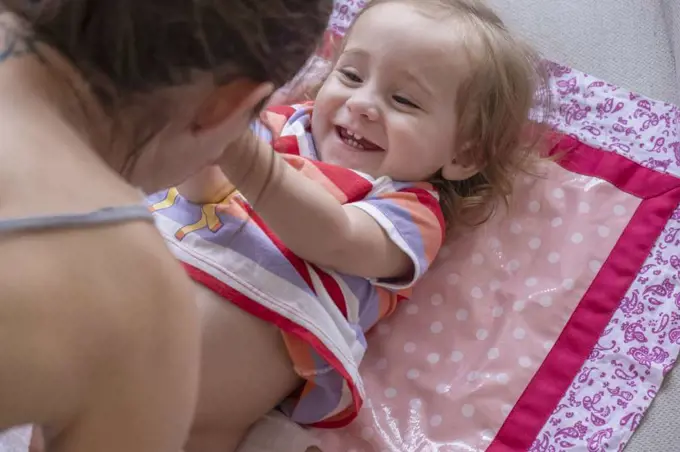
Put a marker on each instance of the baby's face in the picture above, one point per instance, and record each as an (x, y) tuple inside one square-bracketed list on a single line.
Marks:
[(388, 108)]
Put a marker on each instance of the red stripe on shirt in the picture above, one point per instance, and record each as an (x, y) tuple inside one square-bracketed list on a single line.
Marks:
[(355, 187), (298, 263), (334, 291), (432, 203), (286, 145)]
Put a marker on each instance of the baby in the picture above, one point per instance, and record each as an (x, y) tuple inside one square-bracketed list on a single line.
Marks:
[(298, 253)]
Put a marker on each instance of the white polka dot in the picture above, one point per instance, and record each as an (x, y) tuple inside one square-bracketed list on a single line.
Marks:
[(488, 435), (494, 285), (603, 231), (384, 329), (556, 222), (584, 207), (390, 393), (462, 315), (546, 301), (468, 411), (381, 363), (436, 421), (367, 433), (558, 193), (595, 266), (513, 265), (494, 243), (502, 378), (534, 206), (497, 311), (436, 299), (472, 376), (519, 305), (482, 334), (416, 404), (554, 258), (516, 228), (519, 333), (535, 243), (442, 388), (548, 345), (577, 238), (477, 293), (456, 356), (568, 284), (506, 409), (453, 279), (477, 259), (436, 327), (493, 353), (433, 358), (412, 309), (619, 210), (413, 374), (531, 282), (409, 347), (525, 362)]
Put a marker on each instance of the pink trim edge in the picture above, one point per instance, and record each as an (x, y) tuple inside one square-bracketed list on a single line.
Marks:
[(660, 194)]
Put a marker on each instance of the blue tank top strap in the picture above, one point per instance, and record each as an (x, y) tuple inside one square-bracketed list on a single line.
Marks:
[(105, 216)]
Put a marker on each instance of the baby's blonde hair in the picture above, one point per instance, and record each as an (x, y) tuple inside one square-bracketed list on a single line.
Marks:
[(506, 81)]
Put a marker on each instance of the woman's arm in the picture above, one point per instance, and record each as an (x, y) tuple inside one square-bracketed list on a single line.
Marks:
[(308, 219)]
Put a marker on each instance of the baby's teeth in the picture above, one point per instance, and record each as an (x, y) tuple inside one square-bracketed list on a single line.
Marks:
[(354, 143), (353, 135)]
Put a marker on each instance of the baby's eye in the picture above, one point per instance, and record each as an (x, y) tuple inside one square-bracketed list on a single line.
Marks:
[(350, 75), (404, 101)]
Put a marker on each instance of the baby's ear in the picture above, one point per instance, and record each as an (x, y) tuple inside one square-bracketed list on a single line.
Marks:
[(460, 167), (457, 171)]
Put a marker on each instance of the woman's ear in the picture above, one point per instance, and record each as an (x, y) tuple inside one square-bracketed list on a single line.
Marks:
[(234, 101)]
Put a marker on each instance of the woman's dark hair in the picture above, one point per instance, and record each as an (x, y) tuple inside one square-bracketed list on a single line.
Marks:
[(126, 47)]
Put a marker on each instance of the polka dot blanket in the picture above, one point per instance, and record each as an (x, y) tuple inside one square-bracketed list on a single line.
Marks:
[(551, 327)]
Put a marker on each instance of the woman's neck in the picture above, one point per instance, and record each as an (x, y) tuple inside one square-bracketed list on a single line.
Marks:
[(49, 93)]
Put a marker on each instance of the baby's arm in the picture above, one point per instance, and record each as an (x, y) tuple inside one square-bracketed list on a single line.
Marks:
[(308, 219), (209, 185)]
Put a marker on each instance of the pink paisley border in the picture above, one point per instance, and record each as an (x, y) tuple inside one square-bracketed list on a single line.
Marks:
[(604, 404), (613, 119)]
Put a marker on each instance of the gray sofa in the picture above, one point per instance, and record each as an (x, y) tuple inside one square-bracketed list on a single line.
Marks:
[(634, 44)]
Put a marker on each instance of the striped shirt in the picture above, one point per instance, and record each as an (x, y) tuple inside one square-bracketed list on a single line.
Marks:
[(323, 315)]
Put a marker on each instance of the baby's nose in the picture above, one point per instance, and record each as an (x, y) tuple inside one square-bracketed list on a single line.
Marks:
[(364, 107)]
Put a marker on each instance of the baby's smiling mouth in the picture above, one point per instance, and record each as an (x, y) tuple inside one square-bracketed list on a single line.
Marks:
[(356, 141)]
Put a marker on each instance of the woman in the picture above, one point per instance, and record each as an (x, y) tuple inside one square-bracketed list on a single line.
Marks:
[(99, 339)]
